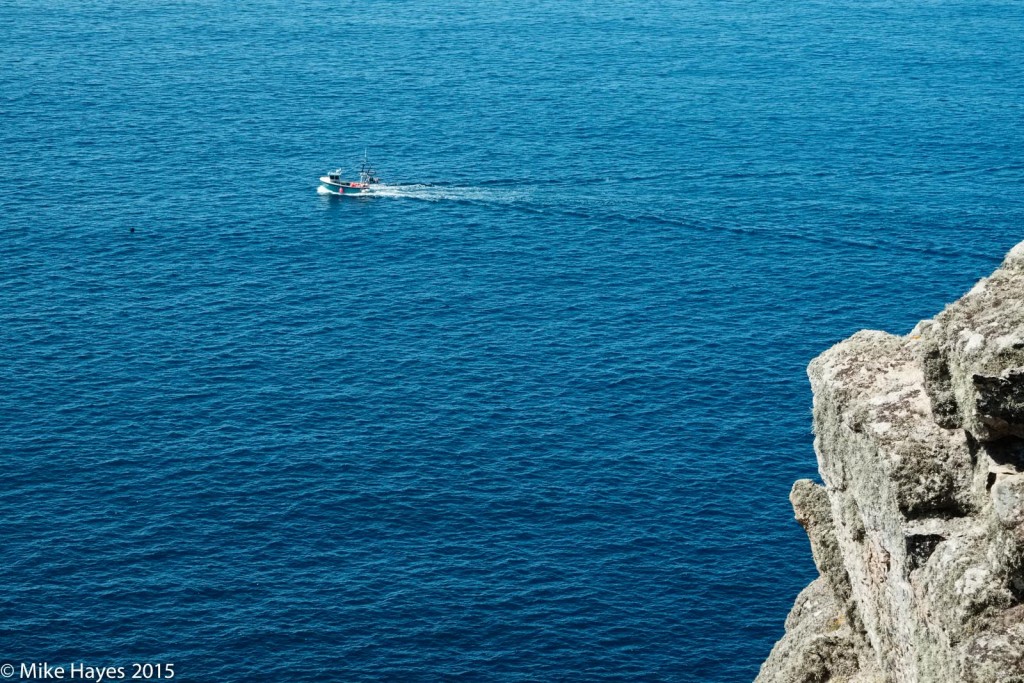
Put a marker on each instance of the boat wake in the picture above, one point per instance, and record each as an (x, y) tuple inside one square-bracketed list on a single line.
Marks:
[(455, 193), (595, 209)]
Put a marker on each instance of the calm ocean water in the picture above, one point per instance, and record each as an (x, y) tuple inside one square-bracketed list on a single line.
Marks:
[(531, 416)]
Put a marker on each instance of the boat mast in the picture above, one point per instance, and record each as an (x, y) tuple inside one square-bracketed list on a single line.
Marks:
[(365, 172)]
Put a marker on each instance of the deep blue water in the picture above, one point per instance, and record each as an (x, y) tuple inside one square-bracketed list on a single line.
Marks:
[(531, 416)]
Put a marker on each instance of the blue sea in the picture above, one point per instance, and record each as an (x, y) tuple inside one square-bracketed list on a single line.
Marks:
[(530, 414)]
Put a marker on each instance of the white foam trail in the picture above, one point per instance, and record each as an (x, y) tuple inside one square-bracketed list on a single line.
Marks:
[(438, 193), (320, 189)]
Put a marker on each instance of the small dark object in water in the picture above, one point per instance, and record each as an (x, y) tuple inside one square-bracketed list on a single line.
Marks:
[(131, 230)]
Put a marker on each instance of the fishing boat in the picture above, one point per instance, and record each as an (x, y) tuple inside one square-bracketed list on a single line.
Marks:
[(335, 184)]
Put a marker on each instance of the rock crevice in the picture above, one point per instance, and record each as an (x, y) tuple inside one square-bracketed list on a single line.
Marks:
[(918, 530)]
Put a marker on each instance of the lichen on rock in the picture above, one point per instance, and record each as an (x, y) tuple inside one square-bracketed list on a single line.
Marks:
[(918, 531)]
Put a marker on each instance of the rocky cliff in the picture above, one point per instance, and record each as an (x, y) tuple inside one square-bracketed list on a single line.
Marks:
[(918, 531)]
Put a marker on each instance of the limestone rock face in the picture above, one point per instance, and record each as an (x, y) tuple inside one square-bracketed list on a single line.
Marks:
[(918, 531), (973, 356)]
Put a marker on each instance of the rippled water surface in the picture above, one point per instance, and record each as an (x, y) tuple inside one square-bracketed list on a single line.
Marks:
[(533, 413)]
